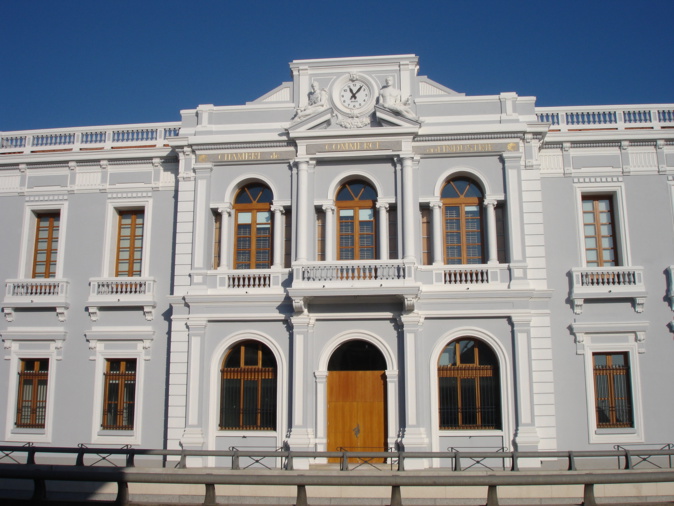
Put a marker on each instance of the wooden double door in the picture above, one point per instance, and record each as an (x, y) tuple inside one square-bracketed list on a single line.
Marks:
[(357, 411)]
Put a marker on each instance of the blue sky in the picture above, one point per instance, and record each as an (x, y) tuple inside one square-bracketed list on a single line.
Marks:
[(78, 63)]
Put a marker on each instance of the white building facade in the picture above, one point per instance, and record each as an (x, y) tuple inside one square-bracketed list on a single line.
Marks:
[(360, 259)]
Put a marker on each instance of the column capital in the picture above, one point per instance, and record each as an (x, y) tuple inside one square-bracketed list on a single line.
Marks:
[(277, 208), (225, 209), (382, 205), (489, 202), (435, 204), (328, 208), (521, 322)]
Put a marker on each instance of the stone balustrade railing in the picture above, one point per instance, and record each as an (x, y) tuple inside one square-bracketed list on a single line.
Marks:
[(610, 117), (121, 287), (608, 283), (349, 271), (88, 138)]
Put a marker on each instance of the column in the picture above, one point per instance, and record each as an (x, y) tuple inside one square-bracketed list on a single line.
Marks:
[(278, 236), (437, 239), (416, 377), (408, 208), (225, 212), (490, 207), (526, 435), (302, 208), (329, 232), (382, 207), (193, 436)]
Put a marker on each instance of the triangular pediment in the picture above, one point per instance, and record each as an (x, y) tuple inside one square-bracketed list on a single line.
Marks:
[(389, 118), (321, 119)]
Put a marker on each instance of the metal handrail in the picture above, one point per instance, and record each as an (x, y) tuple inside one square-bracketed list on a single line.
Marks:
[(628, 454)]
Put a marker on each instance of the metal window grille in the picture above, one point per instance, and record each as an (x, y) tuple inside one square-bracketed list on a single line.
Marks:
[(32, 395)]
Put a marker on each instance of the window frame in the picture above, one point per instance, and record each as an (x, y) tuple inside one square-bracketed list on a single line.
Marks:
[(356, 206), (111, 237), (46, 343), (588, 187), (259, 373), (612, 397), (110, 344), (463, 371), (124, 378), (28, 239), (133, 250), (254, 208), (32, 377), (615, 337), (462, 203)]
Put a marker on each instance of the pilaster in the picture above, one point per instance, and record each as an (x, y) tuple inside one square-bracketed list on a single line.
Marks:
[(526, 434), (302, 434), (193, 437), (512, 162), (415, 436)]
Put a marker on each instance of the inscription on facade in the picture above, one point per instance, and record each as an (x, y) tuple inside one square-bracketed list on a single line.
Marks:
[(346, 146), (482, 147), (248, 156)]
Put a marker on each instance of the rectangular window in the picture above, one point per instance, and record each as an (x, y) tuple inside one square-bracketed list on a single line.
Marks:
[(287, 238), (130, 243), (119, 388), (612, 390), (393, 233), (217, 225), (599, 231), (426, 233), (320, 235), (32, 394), (46, 245), (500, 235)]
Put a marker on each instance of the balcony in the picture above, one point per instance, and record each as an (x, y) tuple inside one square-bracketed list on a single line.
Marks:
[(121, 292), (607, 283), (392, 279), (35, 293)]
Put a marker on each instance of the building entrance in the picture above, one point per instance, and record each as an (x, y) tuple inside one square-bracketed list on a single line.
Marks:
[(357, 398)]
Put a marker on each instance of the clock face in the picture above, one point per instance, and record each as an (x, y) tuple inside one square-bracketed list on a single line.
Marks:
[(355, 94)]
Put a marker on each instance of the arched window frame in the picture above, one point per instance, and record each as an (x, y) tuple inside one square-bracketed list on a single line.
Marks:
[(467, 371), (360, 229), (255, 249), (468, 210), (264, 414)]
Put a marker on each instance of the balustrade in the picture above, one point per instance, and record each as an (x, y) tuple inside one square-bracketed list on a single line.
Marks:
[(607, 283), (76, 139), (617, 117)]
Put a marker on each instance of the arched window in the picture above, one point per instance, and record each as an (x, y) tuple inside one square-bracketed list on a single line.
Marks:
[(248, 388), (468, 386), (356, 221), (253, 236), (463, 228)]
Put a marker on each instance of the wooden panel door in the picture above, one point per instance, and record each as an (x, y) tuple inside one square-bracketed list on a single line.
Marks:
[(356, 411)]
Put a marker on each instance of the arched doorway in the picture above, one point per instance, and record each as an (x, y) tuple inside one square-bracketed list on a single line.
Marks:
[(357, 398)]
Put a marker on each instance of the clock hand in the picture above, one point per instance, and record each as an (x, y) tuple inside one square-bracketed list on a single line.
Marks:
[(353, 95), (358, 90)]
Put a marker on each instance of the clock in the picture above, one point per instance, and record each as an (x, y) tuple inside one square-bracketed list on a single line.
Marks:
[(355, 94)]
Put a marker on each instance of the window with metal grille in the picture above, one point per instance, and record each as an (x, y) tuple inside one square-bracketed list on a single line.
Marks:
[(32, 396), (46, 245), (253, 237), (119, 387), (248, 388), (612, 390), (469, 386), (599, 231), (130, 243), (356, 223), (462, 218)]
